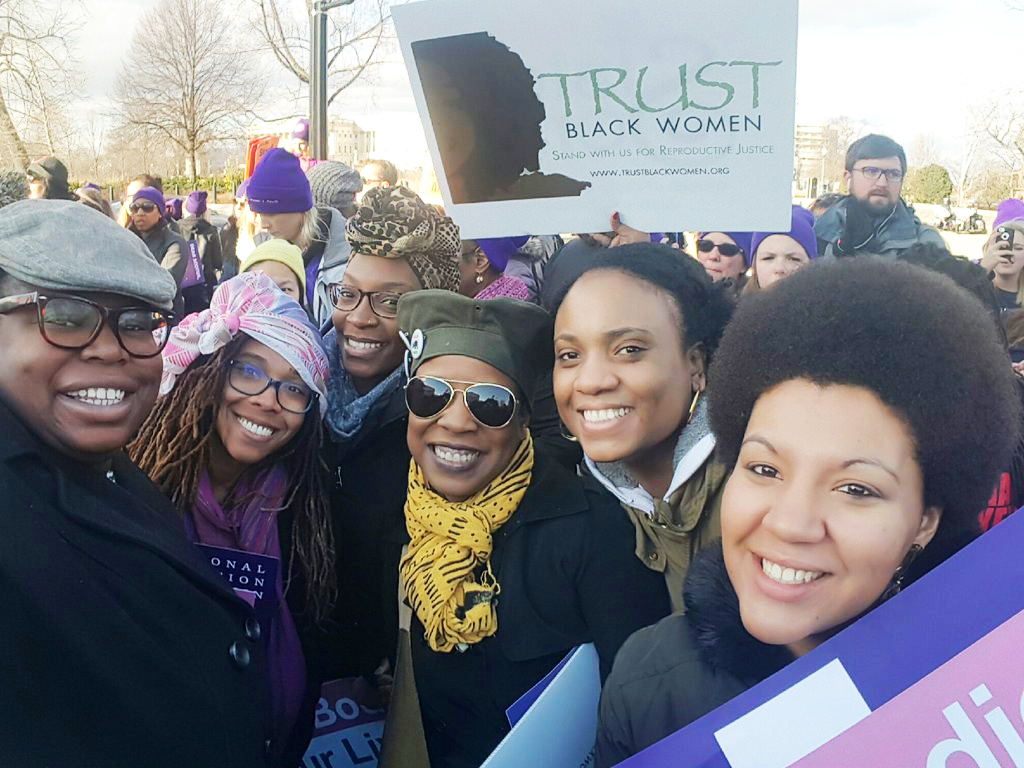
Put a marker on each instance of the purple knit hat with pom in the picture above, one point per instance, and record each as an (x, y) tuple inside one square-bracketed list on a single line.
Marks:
[(278, 185), (801, 229)]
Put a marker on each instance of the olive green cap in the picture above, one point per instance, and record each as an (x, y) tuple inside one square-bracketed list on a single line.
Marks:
[(513, 336)]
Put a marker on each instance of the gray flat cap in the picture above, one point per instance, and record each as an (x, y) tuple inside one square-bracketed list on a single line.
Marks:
[(67, 246)]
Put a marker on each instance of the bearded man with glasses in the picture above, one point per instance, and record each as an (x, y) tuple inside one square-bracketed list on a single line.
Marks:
[(873, 218), (121, 644)]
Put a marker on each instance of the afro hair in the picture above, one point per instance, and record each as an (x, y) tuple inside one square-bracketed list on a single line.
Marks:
[(704, 307), (923, 345)]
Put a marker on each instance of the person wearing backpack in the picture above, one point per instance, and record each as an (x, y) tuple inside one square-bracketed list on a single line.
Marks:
[(204, 247)]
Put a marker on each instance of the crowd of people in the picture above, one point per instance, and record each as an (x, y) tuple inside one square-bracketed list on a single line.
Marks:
[(484, 452)]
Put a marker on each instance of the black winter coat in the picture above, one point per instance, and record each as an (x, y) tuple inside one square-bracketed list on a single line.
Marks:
[(168, 248), (197, 297), (368, 524), (686, 665), (120, 646), (568, 576)]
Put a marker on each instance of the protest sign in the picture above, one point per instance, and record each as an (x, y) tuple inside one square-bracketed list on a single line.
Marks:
[(930, 674), (559, 728), (348, 727), (252, 576), (522, 705), (546, 117)]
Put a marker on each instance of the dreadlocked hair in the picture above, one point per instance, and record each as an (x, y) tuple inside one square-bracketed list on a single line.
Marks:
[(173, 448)]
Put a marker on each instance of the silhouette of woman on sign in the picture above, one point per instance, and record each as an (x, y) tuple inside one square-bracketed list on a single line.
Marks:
[(487, 120)]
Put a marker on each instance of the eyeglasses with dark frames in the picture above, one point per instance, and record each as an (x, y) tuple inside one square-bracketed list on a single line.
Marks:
[(71, 322), (871, 173), (249, 379), (382, 303)]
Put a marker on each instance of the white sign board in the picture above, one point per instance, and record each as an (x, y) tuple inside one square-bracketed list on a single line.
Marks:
[(545, 117)]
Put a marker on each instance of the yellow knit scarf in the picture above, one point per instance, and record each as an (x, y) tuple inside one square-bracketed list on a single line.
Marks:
[(449, 542)]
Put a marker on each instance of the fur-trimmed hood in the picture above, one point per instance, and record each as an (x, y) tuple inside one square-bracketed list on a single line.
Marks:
[(713, 612)]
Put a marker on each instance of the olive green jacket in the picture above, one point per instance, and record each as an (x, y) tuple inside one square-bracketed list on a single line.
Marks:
[(688, 521)]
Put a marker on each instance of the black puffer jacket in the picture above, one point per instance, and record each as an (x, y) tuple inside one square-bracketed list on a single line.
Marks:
[(668, 675)]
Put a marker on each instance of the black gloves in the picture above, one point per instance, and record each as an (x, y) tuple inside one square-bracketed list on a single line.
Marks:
[(859, 229)]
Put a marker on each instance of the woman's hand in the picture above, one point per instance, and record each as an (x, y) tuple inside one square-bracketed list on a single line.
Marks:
[(620, 234), (994, 251)]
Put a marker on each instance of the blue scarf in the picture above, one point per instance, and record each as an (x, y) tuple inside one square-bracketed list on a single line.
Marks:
[(350, 415)]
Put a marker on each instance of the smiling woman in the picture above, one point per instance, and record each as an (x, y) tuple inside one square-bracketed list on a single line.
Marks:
[(400, 245), (234, 443), (821, 525), (629, 382), (490, 512), (124, 601)]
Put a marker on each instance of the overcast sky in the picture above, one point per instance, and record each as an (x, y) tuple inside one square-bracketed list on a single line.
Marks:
[(904, 67)]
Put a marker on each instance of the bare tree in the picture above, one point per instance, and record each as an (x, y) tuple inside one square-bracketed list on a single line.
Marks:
[(966, 170), (924, 150), (841, 132), (1002, 121), (37, 80), (186, 79), (359, 39)]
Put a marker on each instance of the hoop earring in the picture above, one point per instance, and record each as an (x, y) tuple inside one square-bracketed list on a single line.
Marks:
[(566, 433), (896, 585), (693, 405)]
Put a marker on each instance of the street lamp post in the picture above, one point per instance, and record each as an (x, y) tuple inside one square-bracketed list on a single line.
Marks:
[(318, 77)]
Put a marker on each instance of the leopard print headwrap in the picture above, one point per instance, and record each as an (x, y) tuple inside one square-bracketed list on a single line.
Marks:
[(396, 224)]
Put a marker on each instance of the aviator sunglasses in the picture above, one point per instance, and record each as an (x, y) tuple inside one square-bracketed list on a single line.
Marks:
[(726, 249), (492, 405)]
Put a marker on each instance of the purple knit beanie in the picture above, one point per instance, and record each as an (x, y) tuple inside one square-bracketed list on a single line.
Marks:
[(301, 130), (152, 195), (742, 239), (172, 208), (278, 185), (1009, 210), (196, 202), (801, 229), (500, 249)]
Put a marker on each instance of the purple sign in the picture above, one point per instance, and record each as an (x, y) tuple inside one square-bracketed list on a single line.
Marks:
[(966, 600)]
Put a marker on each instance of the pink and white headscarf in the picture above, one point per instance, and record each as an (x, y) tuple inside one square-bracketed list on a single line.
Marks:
[(250, 303)]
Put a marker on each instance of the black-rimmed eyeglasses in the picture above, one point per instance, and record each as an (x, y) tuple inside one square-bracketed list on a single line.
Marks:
[(71, 322), (347, 298), (249, 379), (871, 173)]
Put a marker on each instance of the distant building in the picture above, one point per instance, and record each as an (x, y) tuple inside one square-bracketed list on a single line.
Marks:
[(813, 145), (348, 143)]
